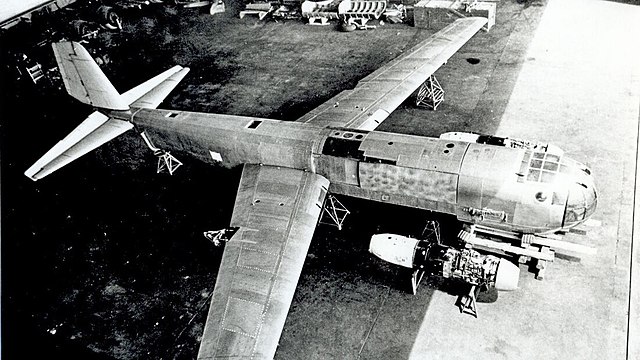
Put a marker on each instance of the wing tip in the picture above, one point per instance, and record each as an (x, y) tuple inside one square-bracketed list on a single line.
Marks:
[(31, 174)]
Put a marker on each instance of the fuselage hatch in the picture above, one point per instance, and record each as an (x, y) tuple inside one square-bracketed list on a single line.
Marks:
[(526, 188)]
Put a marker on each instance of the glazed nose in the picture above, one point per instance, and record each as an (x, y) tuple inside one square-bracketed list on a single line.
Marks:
[(581, 204)]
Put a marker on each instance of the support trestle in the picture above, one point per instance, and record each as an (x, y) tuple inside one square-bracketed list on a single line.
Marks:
[(467, 303), (416, 278), (528, 249), (218, 237), (319, 20), (359, 22), (431, 231), (336, 212), (430, 94), (166, 161)]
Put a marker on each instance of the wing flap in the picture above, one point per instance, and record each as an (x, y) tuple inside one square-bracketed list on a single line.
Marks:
[(380, 93), (276, 210)]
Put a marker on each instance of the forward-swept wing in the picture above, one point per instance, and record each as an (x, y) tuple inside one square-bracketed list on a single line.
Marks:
[(377, 95), (276, 211)]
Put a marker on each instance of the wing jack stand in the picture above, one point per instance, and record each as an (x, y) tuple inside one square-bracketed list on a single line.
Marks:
[(467, 303), (430, 94), (431, 231), (335, 210), (217, 237), (166, 161)]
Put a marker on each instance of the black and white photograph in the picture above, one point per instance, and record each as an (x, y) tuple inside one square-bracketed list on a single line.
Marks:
[(319, 179)]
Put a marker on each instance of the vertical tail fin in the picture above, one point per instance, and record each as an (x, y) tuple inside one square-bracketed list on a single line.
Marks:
[(83, 78)]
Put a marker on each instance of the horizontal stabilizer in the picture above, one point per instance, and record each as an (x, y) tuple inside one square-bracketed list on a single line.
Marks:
[(153, 92), (86, 82), (94, 131), (83, 78)]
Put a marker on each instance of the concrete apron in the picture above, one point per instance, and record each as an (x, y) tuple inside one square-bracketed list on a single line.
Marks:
[(580, 89)]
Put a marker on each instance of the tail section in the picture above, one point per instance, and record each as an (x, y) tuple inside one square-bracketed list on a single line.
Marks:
[(83, 78), (86, 82), (153, 91), (96, 130)]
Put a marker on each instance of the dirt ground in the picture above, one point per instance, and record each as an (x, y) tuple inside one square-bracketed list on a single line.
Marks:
[(105, 259)]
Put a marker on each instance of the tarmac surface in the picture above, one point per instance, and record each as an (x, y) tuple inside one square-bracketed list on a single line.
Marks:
[(104, 259)]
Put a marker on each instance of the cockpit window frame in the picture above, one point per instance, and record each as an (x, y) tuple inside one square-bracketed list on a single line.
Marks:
[(543, 167)]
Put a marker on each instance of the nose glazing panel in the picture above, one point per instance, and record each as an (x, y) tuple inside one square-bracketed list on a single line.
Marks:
[(583, 197)]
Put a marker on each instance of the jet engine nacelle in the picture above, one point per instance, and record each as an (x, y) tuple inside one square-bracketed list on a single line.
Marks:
[(466, 265)]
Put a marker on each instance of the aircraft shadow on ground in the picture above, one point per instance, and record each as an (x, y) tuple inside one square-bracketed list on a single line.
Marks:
[(350, 304)]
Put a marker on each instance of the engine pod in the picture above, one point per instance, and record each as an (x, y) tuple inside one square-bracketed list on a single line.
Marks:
[(507, 276), (396, 249)]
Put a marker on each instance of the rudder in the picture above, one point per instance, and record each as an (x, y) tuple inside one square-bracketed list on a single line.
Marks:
[(84, 80)]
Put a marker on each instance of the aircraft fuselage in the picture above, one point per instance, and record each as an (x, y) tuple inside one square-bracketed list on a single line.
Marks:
[(519, 190)]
